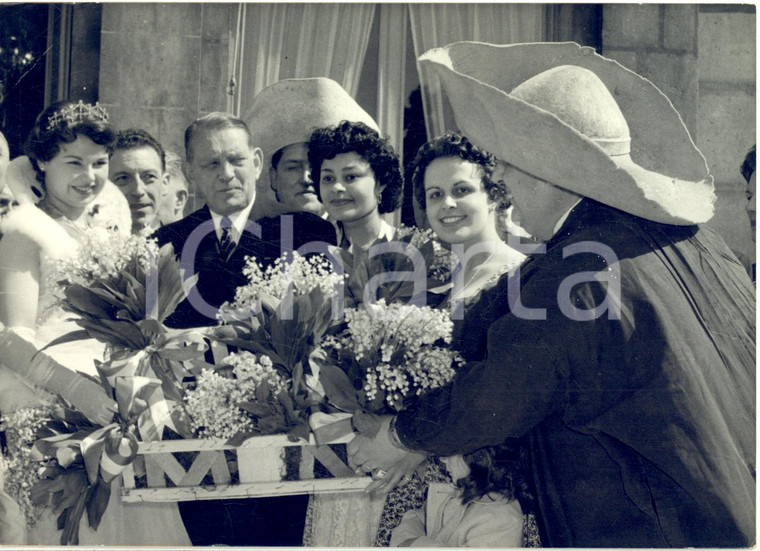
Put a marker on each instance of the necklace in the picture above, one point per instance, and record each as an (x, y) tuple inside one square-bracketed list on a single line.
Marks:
[(473, 277)]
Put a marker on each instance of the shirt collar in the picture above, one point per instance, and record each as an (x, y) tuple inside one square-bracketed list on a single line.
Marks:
[(238, 220), (387, 233)]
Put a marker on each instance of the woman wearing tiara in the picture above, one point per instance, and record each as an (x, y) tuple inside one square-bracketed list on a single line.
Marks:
[(68, 149)]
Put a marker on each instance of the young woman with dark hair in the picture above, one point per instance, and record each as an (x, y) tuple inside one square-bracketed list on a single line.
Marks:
[(482, 508), (68, 152), (357, 176)]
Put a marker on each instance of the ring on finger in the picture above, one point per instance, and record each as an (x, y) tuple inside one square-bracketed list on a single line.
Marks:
[(379, 474)]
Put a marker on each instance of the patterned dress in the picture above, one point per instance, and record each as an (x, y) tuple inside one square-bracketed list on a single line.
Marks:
[(412, 495)]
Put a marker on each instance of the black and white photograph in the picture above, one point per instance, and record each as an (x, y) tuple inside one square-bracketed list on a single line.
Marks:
[(362, 275)]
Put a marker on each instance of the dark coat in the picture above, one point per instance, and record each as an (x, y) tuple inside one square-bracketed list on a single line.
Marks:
[(641, 429), (274, 521), (196, 245)]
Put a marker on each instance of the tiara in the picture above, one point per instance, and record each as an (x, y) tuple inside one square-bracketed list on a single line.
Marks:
[(76, 113)]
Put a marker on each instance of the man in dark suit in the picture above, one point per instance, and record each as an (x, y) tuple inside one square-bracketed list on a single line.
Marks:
[(213, 242)]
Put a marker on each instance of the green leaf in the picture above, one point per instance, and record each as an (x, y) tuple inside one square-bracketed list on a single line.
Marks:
[(256, 408), (68, 337), (84, 300), (300, 431), (97, 503), (338, 387)]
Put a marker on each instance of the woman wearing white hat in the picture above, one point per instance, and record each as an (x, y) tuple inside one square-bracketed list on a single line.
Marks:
[(625, 352)]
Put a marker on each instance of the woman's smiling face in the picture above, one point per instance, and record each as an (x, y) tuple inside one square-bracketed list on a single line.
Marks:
[(457, 204), (75, 176), (348, 187)]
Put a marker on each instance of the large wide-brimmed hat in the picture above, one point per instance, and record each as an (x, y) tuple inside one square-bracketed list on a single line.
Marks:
[(571, 117), (286, 112)]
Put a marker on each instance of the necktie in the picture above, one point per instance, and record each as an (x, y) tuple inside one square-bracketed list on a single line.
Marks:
[(226, 243)]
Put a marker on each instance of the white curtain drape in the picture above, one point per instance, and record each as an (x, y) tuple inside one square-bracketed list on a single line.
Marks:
[(300, 41), (281, 41), (435, 25)]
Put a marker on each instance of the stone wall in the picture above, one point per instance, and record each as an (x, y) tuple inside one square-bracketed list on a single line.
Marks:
[(161, 65), (727, 112), (658, 42), (703, 59), (164, 64)]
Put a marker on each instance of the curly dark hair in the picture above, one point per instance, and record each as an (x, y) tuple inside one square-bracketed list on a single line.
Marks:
[(357, 137), (499, 469), (748, 166), (453, 144), (44, 143)]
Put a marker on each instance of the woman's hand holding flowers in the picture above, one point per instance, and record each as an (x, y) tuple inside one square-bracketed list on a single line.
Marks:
[(379, 452)]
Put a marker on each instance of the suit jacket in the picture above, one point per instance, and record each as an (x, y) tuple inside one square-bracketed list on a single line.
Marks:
[(197, 247)]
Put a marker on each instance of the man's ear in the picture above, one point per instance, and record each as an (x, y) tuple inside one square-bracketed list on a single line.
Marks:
[(258, 161), (187, 168), (273, 179), (180, 200), (165, 183)]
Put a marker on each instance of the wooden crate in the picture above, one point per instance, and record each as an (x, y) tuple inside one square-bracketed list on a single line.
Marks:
[(260, 469)]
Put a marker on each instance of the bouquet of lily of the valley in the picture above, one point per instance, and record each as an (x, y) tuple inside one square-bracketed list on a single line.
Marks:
[(276, 321), (245, 395), (414, 267), (81, 458), (386, 355), (145, 365), (101, 256), (22, 468)]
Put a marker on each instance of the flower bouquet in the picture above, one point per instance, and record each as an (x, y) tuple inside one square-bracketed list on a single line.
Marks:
[(386, 355), (123, 307), (281, 316), (257, 400)]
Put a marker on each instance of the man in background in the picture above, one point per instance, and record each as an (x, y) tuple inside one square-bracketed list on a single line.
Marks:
[(174, 199), (282, 117), (138, 168)]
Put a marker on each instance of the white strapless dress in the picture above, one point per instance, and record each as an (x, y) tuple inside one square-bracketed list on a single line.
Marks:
[(152, 524)]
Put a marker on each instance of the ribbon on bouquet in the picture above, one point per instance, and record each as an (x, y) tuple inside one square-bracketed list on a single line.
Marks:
[(328, 427), (106, 450), (164, 358), (157, 414), (110, 449)]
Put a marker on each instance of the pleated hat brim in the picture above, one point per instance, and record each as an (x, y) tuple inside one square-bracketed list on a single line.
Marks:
[(285, 113), (665, 179)]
